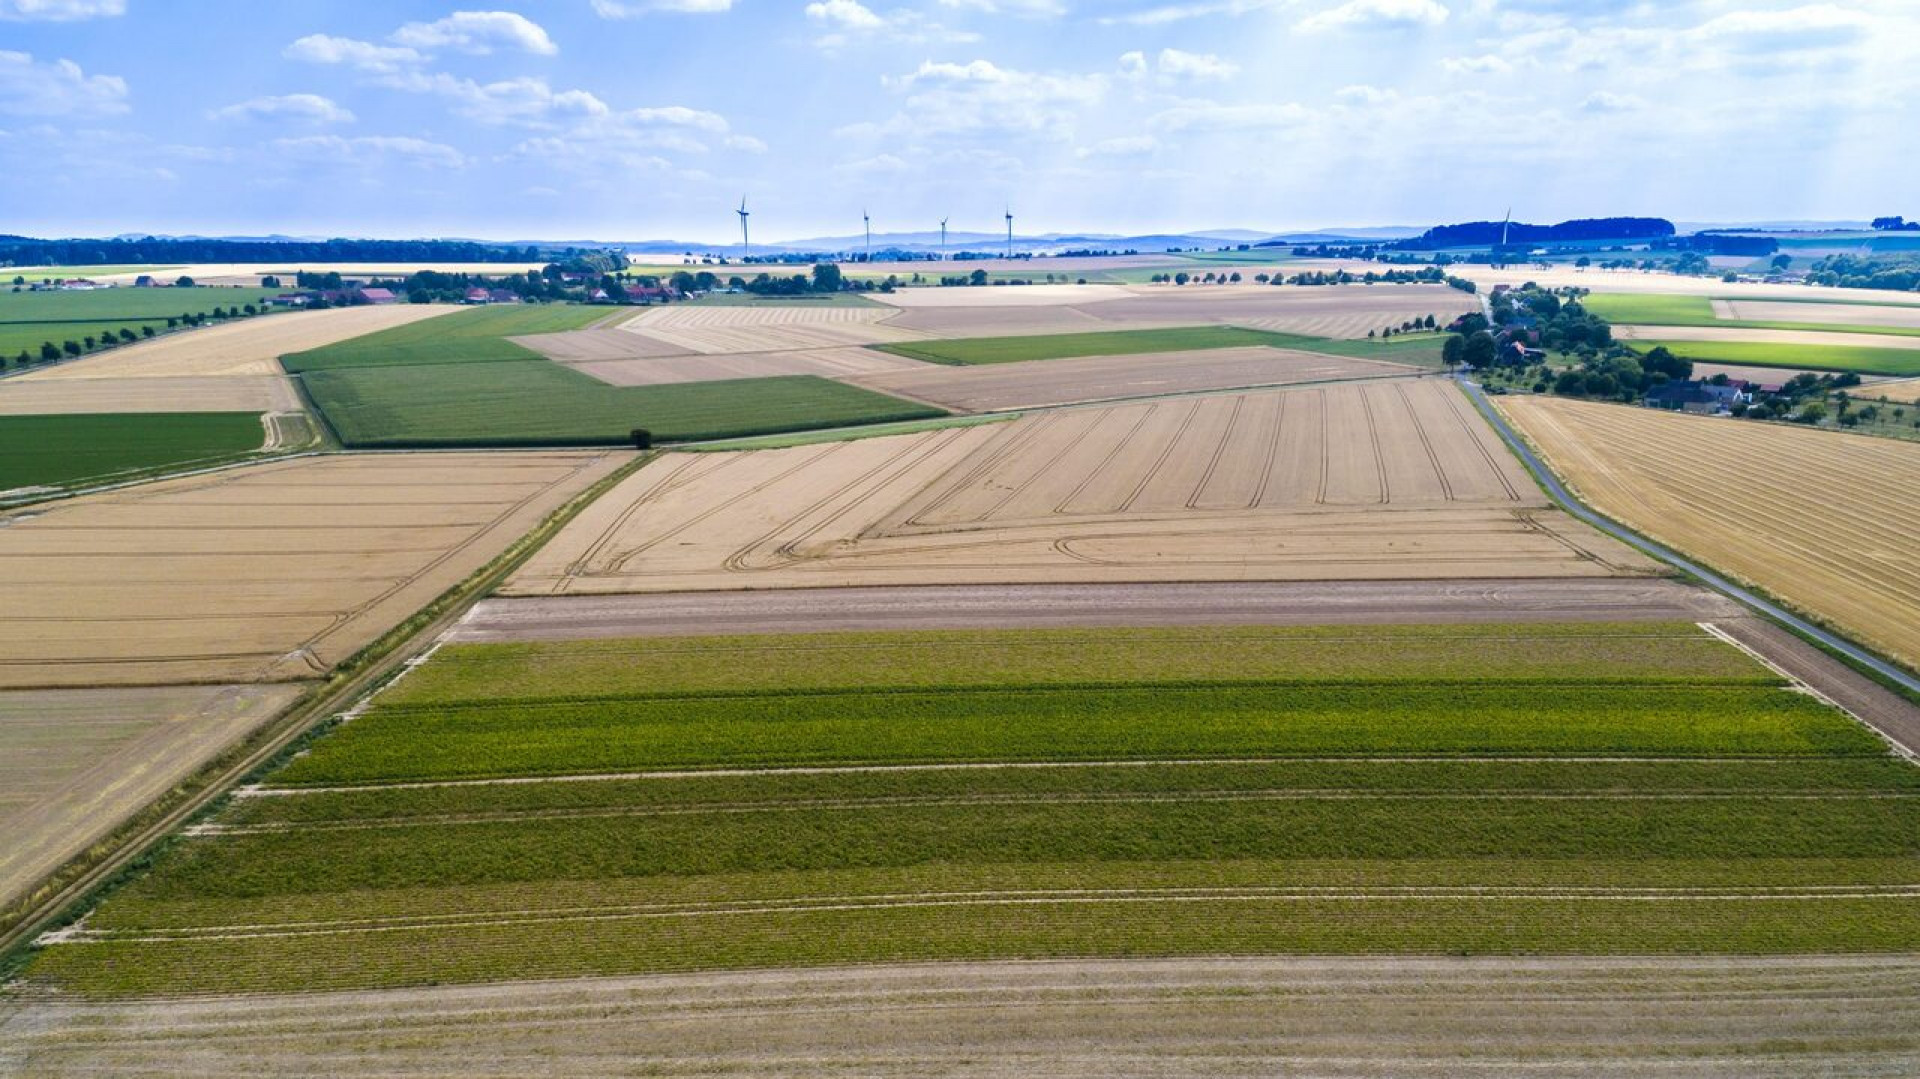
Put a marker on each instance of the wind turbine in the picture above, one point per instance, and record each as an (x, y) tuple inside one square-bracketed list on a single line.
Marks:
[(1504, 225), (943, 239), (745, 248), (868, 222), (1009, 232)]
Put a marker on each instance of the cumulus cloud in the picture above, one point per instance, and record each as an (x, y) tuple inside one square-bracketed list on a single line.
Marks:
[(60, 88), (1208, 117), (1812, 26), (365, 55), (304, 108), (1607, 101), (1190, 65), (850, 21), (1375, 14), (633, 9), (1363, 94), (1037, 9), (1195, 9), (60, 10), (1476, 65), (370, 150), (944, 99), (479, 33), (1124, 146)]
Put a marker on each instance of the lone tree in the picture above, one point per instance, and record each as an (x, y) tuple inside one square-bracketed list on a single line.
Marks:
[(642, 438), (1451, 352)]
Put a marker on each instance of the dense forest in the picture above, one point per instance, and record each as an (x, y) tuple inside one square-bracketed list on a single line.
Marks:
[(1484, 233)]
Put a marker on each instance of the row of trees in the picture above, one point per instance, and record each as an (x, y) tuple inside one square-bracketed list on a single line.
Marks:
[(74, 347), (1898, 274), (27, 251)]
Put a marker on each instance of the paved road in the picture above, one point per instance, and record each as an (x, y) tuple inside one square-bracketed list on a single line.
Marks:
[(994, 606), (1713, 580)]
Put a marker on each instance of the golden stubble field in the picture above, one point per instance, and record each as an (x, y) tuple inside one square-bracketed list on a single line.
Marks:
[(1825, 521), (1380, 480), (269, 572)]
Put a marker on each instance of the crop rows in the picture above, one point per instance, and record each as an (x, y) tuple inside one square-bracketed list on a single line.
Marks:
[(629, 806)]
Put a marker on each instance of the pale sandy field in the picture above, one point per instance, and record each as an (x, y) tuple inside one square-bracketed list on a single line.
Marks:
[(1403, 1018), (1665, 283), (1823, 520), (1832, 314), (765, 329), (185, 393), (75, 763), (248, 348), (1038, 383), (1773, 337), (1394, 479), (269, 572), (847, 363), (1906, 390), (1008, 296)]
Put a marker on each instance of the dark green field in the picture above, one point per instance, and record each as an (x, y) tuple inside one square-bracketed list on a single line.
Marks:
[(50, 451), (740, 802), (1421, 349), (457, 381), (30, 319)]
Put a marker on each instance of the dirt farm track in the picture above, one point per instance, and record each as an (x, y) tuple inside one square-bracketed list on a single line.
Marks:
[(1823, 520), (1379, 480)]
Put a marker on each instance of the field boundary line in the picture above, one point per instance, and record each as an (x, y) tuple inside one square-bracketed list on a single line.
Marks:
[(1565, 499), (355, 676), (1802, 686)]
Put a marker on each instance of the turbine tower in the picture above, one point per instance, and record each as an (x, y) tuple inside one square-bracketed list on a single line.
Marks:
[(745, 247), (867, 220), (1009, 232), (1504, 225), (943, 239)]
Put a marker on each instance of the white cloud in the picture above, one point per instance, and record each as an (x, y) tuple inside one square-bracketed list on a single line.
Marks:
[(60, 10), (946, 99), (1476, 65), (365, 55), (633, 9), (370, 150), (1124, 146), (1363, 94), (850, 21), (1796, 29), (1370, 14), (60, 88), (479, 33), (1036, 9), (1189, 65), (1607, 101), (1212, 117), (1180, 12), (307, 108), (745, 144), (528, 100)]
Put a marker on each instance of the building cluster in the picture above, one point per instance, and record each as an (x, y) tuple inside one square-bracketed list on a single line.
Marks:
[(349, 294)]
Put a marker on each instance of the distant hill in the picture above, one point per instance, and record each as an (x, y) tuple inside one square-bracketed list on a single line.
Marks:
[(1490, 233)]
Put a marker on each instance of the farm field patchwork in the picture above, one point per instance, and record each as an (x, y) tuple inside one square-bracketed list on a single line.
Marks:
[(617, 807), (765, 328), (247, 348), (461, 382), (1382, 479), (61, 450), (75, 763), (1822, 520), (30, 319), (1027, 348), (264, 572), (1776, 348), (1754, 314)]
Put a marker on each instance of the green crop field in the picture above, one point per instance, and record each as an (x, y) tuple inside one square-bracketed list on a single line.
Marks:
[(729, 802), (1635, 309), (1414, 349), (30, 319), (1865, 361), (538, 403), (473, 335), (457, 381), (52, 451)]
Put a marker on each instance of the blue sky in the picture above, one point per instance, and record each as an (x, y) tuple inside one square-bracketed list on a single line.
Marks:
[(635, 119)]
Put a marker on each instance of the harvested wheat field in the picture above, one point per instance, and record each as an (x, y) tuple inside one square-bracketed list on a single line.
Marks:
[(1903, 390), (1395, 479), (1039, 383), (269, 572), (766, 329), (1832, 314), (186, 393), (1823, 520), (1350, 1018), (75, 763), (1347, 311), (251, 347), (1717, 334)]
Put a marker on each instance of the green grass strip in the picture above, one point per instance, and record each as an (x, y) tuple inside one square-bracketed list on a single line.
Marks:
[(987, 350)]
